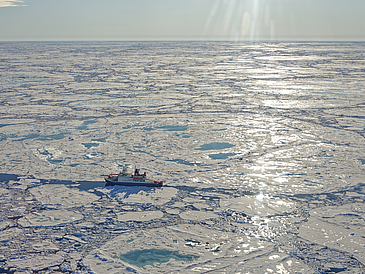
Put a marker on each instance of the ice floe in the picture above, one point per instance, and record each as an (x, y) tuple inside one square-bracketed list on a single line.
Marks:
[(35, 262), (139, 216), (180, 248), (261, 146), (259, 205), (49, 218), (338, 227), (55, 196)]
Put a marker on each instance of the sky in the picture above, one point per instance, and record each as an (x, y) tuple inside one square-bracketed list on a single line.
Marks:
[(215, 20)]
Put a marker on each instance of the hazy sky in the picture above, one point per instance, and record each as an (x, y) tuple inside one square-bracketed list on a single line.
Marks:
[(182, 20)]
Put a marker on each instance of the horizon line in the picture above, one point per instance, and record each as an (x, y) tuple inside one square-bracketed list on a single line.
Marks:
[(185, 40)]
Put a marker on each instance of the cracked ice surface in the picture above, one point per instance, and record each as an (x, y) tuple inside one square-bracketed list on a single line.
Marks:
[(198, 242), (56, 196), (338, 227), (261, 146), (49, 218), (35, 263)]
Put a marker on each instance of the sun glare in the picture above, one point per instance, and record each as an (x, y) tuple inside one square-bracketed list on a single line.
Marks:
[(240, 20)]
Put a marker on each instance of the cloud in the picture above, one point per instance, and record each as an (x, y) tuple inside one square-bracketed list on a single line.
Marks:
[(10, 3)]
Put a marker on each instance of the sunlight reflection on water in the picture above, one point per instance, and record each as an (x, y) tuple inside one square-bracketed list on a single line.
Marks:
[(261, 146)]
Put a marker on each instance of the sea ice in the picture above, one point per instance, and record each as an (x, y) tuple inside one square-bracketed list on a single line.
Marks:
[(141, 195), (49, 218), (261, 146), (259, 205), (139, 216), (195, 242), (4, 191), (35, 262), (23, 183), (3, 224), (198, 215), (53, 195), (9, 234), (338, 227), (45, 246)]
